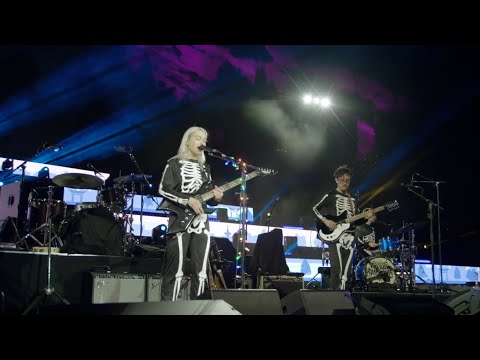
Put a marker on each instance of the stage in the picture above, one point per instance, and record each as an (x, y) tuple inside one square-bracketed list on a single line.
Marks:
[(117, 285)]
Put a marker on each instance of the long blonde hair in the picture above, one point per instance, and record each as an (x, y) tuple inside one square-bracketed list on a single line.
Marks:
[(182, 153)]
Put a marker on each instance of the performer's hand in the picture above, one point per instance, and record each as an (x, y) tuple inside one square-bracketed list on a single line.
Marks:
[(330, 224), (372, 219), (195, 205), (369, 214), (217, 193)]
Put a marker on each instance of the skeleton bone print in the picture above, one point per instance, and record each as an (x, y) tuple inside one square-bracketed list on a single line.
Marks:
[(191, 177), (342, 204)]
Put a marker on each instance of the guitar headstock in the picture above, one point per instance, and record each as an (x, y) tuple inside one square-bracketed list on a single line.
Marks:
[(265, 171), (393, 205)]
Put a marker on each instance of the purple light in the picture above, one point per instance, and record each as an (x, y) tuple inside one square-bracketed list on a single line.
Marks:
[(365, 138)]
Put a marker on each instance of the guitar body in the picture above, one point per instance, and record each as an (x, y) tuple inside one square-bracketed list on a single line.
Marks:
[(343, 222), (185, 215), (329, 236)]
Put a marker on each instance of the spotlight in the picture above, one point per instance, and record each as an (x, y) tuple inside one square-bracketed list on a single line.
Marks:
[(44, 173), (7, 164), (158, 235)]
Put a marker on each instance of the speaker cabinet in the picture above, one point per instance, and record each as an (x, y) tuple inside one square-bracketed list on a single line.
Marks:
[(117, 287), (251, 301), (381, 303), (318, 302)]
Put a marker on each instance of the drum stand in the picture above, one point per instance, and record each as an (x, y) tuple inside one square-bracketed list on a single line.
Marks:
[(49, 290), (44, 225)]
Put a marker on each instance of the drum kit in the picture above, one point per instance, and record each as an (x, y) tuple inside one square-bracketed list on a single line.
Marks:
[(390, 267), (111, 206)]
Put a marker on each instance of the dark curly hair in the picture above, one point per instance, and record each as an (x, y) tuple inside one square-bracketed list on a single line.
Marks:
[(342, 170)]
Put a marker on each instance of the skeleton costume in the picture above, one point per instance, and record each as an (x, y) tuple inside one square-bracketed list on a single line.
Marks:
[(341, 252), (182, 179)]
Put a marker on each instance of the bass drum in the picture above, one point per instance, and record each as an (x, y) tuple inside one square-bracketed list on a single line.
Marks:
[(376, 270), (92, 231)]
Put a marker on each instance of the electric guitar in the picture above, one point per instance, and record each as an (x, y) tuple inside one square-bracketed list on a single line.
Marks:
[(343, 222), (185, 215)]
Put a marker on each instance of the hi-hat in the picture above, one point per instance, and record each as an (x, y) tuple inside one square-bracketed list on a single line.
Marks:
[(131, 178), (78, 181)]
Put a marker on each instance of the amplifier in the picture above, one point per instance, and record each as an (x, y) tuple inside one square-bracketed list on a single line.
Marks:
[(110, 287), (283, 283), (154, 287)]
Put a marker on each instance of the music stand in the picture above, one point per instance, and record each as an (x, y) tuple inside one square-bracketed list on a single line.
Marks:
[(48, 290)]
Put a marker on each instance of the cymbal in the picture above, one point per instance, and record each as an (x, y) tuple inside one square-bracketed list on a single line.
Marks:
[(131, 178), (78, 181), (411, 226), (404, 229)]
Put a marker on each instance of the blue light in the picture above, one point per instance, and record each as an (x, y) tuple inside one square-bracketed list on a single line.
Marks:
[(1, 183), (293, 227), (163, 227)]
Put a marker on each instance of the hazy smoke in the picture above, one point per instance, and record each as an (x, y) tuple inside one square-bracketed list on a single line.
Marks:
[(301, 140)]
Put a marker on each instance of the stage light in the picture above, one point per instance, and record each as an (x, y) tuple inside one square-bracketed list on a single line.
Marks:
[(325, 102), (44, 173), (7, 164), (307, 99)]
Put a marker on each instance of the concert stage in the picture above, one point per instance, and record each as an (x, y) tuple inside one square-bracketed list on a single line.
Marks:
[(115, 285)]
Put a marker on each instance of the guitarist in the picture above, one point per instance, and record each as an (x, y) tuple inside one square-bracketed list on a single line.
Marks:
[(182, 179), (341, 251)]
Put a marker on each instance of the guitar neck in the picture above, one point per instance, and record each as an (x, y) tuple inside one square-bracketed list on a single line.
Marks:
[(362, 215), (209, 194)]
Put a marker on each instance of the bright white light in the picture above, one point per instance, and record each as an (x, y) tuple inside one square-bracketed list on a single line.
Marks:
[(307, 99), (325, 102), (316, 100)]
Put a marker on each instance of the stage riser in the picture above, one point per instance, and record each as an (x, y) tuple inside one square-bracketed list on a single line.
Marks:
[(24, 275)]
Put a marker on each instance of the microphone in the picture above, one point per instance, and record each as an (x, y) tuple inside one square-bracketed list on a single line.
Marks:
[(207, 149), (123, 148), (91, 167), (410, 186)]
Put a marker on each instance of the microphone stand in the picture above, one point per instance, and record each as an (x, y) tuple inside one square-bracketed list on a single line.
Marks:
[(269, 215), (431, 204), (130, 154), (242, 239)]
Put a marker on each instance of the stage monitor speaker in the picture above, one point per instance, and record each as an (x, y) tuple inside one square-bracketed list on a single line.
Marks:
[(251, 301), (193, 307), (284, 284), (399, 304), (466, 302), (318, 302)]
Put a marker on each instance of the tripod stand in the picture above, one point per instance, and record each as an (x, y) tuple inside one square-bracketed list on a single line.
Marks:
[(49, 290)]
